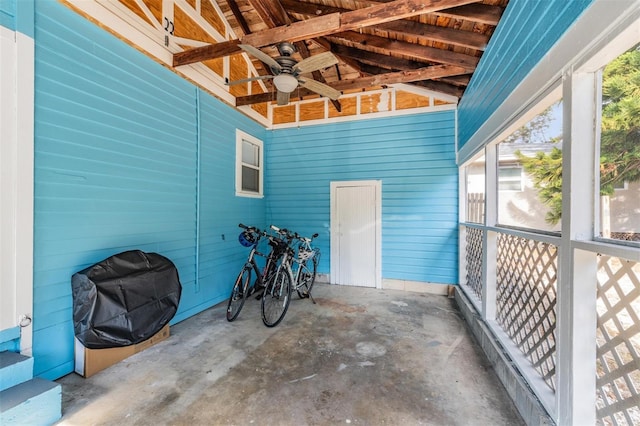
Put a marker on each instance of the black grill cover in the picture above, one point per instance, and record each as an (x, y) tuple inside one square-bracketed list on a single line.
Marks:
[(125, 299)]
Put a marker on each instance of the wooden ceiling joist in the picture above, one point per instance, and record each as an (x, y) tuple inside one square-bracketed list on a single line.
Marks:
[(322, 25), (401, 48), (427, 73), (402, 28)]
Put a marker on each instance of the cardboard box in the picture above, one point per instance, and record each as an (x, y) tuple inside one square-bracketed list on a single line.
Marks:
[(90, 361)]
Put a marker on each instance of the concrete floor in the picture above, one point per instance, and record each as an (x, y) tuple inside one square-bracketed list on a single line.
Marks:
[(359, 356)]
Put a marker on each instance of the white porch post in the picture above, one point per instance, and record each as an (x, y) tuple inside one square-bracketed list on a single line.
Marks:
[(490, 240), (576, 298)]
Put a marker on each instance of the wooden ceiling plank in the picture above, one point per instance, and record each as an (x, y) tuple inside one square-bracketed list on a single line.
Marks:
[(403, 27), (393, 11), (328, 24), (400, 48), (481, 13), (371, 58), (239, 17), (440, 87)]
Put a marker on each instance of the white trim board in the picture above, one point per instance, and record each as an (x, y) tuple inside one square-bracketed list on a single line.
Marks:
[(16, 183)]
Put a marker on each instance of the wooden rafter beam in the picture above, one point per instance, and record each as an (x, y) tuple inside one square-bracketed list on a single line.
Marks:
[(427, 73), (400, 28), (273, 14), (375, 59), (481, 13), (436, 86), (402, 48), (319, 26)]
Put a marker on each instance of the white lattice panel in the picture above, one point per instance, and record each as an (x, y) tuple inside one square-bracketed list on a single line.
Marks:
[(618, 342), (473, 257), (526, 299)]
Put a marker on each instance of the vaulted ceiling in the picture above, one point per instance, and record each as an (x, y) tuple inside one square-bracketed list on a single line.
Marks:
[(425, 50)]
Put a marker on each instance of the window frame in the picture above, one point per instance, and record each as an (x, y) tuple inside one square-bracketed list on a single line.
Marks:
[(246, 137)]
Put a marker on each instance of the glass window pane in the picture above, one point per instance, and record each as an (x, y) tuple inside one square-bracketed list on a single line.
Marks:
[(250, 179), (250, 154), (530, 173), (620, 148), (510, 178), (475, 190)]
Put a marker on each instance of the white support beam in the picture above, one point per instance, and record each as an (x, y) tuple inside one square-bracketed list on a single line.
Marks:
[(576, 291)]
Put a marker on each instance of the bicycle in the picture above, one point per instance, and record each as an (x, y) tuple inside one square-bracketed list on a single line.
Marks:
[(250, 237), (277, 294), (307, 261)]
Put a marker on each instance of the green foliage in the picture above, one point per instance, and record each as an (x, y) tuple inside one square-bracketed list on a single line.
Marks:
[(619, 141), (546, 172)]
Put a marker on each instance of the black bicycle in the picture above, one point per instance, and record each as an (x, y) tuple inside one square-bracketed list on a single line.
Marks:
[(250, 237)]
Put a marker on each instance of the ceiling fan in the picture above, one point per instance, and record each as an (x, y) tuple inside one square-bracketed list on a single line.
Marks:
[(287, 71)]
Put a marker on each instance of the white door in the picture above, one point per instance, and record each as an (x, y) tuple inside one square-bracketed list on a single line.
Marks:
[(355, 230)]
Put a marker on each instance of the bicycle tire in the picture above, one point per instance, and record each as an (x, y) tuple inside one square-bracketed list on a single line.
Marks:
[(238, 294), (276, 298), (306, 278)]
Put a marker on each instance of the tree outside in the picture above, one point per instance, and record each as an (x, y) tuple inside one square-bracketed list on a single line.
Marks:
[(620, 137)]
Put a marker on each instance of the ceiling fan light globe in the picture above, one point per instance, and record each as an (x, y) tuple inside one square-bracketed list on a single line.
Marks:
[(285, 83)]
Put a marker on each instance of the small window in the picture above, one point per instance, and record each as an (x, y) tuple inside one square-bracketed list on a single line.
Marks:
[(249, 165), (510, 178), (620, 185)]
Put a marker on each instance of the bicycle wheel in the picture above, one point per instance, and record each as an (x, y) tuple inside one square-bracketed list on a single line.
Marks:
[(276, 298), (238, 294), (307, 277)]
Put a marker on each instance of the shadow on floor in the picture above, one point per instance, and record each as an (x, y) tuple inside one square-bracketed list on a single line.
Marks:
[(359, 356)]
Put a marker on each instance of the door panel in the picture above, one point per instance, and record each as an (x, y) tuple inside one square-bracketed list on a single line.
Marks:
[(356, 227)]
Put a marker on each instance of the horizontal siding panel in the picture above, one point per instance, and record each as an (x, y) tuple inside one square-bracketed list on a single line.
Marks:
[(414, 156), (116, 168)]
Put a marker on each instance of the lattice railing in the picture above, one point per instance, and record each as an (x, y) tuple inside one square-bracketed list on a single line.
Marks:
[(473, 257), (618, 342), (526, 299)]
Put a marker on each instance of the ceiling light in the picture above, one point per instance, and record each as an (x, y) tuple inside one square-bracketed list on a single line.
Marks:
[(285, 82)]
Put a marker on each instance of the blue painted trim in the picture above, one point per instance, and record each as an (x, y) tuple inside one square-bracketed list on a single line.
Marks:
[(9, 334), (198, 180), (25, 17), (8, 14)]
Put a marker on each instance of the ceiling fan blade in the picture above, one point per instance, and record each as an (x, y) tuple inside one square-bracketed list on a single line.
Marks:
[(261, 55), (315, 62), (320, 88), (246, 80), (283, 98)]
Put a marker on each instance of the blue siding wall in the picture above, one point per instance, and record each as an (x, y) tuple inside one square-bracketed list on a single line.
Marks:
[(414, 156), (8, 14), (527, 30), (118, 141)]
